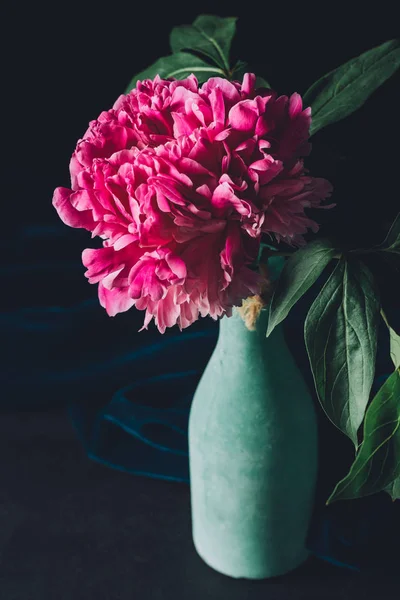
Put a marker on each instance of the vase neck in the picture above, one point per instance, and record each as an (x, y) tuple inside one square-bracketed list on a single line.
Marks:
[(233, 333)]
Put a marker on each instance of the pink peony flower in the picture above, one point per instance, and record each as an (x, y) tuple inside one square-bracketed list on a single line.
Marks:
[(180, 181)]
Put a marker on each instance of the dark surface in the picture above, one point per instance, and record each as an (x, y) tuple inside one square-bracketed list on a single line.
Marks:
[(74, 530)]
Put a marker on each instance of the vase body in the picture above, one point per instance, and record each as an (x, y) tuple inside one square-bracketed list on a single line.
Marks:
[(253, 454)]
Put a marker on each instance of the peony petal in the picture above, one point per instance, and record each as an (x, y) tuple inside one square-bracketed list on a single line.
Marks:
[(103, 261), (108, 281), (148, 317), (218, 106), (68, 213), (115, 301), (177, 265), (182, 124), (243, 116), (249, 83), (167, 312), (124, 241), (295, 105), (228, 89)]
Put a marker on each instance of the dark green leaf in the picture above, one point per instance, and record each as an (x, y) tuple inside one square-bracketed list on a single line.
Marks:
[(385, 267), (209, 35), (394, 348), (298, 275), (342, 91), (377, 464), (394, 343), (393, 489), (261, 82), (391, 243), (239, 70), (178, 66), (340, 332)]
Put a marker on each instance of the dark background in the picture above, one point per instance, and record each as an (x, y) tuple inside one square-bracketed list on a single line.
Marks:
[(66, 62), (62, 65)]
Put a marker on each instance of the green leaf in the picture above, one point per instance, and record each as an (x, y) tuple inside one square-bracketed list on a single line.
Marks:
[(261, 82), (179, 66), (393, 489), (391, 243), (209, 35), (298, 275), (394, 343), (239, 69), (393, 237), (385, 267), (377, 464), (340, 332), (342, 91), (394, 348)]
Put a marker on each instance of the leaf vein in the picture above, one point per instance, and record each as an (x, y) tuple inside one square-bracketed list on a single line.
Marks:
[(216, 45)]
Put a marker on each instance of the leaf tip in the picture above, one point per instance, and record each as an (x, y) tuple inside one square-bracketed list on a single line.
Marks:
[(271, 326)]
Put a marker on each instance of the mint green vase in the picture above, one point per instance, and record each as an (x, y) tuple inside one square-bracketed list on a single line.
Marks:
[(253, 454)]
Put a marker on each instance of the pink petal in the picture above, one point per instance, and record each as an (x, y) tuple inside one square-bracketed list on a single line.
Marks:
[(229, 91), (243, 116), (148, 317), (124, 241), (115, 301), (103, 261), (167, 312), (248, 85), (68, 213), (176, 265), (217, 106), (182, 124), (109, 280), (295, 105)]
